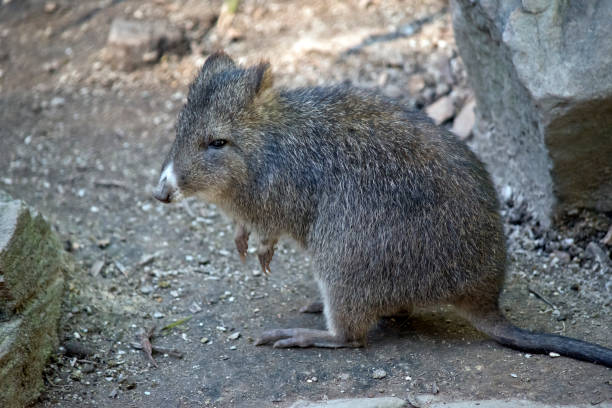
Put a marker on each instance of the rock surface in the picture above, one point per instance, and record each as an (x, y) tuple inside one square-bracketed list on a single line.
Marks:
[(383, 402), (393, 402), (540, 73), (32, 268)]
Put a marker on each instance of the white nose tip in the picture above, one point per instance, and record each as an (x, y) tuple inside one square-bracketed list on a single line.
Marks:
[(168, 176), (167, 187)]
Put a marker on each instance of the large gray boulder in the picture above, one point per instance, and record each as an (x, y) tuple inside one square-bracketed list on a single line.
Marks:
[(32, 269), (541, 72)]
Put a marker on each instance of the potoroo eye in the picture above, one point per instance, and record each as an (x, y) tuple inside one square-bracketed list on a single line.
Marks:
[(218, 143)]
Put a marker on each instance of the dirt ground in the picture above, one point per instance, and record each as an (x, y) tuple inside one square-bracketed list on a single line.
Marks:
[(83, 143)]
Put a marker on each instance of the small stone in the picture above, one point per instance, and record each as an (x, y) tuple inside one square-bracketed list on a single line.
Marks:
[(379, 374), (88, 368), (563, 256), (50, 6), (434, 388), (441, 110), (146, 289), (535, 6), (76, 375), (76, 349), (204, 340), (146, 259), (51, 66), (163, 284), (158, 315), (567, 242), (393, 91), (415, 84), (256, 272), (464, 122), (195, 308), (506, 194), (120, 267), (56, 102), (553, 354), (96, 268), (513, 375), (442, 88), (113, 393), (595, 252), (104, 243), (234, 336), (129, 383), (134, 43)]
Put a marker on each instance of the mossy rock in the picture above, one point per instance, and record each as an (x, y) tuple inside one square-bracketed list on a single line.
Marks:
[(33, 266)]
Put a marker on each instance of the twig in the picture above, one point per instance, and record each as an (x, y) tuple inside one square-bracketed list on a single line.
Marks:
[(51, 383), (110, 183), (145, 342), (160, 350), (542, 298)]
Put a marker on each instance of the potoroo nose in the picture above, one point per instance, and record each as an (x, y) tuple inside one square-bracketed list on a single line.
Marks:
[(167, 187)]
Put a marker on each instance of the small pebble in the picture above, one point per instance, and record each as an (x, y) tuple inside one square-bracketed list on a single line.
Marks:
[(50, 7), (158, 315), (234, 336), (195, 308), (513, 375), (145, 290), (204, 340), (104, 243), (379, 373), (96, 268), (553, 354), (57, 101)]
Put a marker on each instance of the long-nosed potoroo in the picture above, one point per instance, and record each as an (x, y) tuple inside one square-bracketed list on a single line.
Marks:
[(395, 212)]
